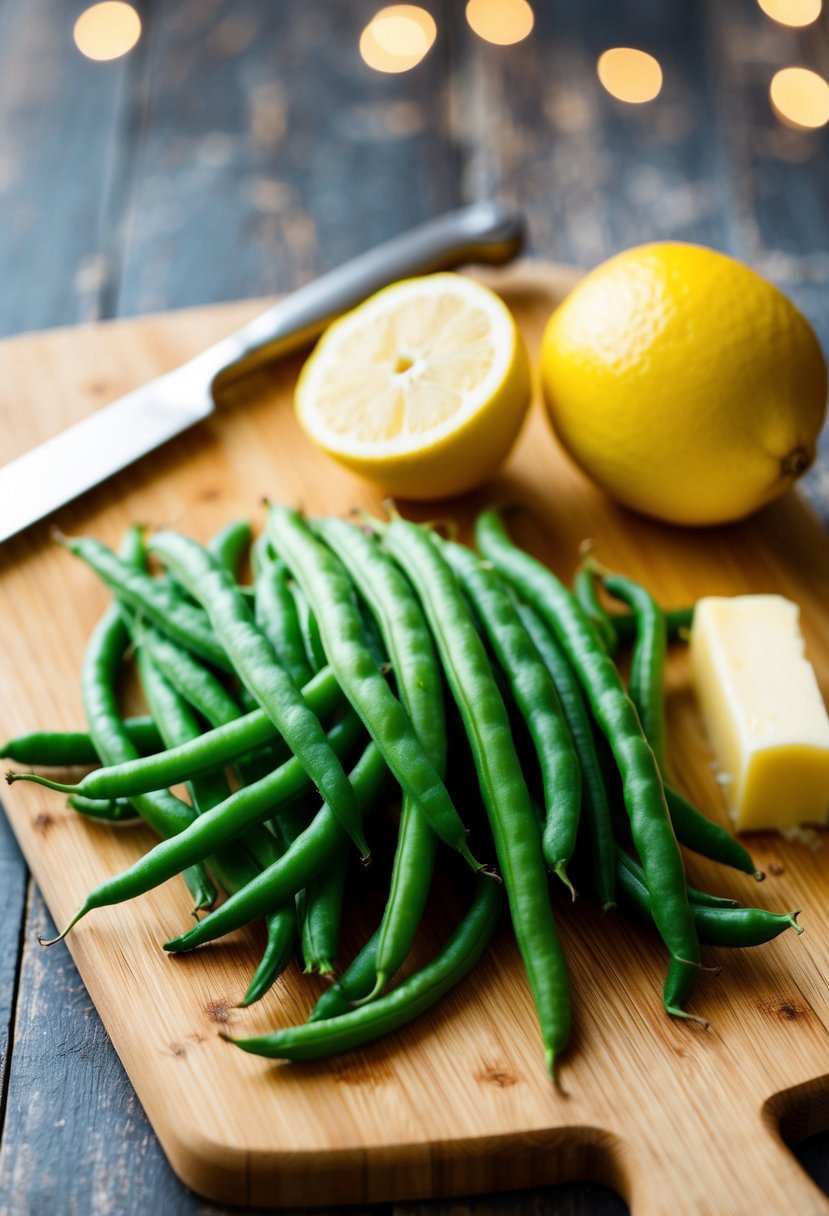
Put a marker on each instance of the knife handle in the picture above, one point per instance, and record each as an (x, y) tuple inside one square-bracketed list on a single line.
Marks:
[(482, 232)]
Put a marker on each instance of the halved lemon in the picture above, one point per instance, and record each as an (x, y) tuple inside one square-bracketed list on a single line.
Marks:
[(422, 388)]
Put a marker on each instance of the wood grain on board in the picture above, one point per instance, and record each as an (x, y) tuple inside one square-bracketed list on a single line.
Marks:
[(459, 1102)]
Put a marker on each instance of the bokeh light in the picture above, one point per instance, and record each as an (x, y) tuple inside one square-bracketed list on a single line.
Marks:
[(792, 12), (800, 98), (107, 31), (503, 22), (397, 38), (630, 75)]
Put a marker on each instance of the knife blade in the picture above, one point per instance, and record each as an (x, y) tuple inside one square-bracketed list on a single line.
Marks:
[(118, 434)]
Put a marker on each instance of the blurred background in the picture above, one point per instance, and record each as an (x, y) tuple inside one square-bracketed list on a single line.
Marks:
[(171, 153)]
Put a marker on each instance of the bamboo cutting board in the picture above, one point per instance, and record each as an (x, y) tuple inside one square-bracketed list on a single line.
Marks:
[(676, 1118)]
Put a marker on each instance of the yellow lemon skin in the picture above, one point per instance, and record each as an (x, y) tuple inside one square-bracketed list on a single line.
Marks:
[(684, 384), (460, 452)]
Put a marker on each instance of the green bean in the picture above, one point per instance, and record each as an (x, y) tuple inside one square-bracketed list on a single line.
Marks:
[(537, 700), (70, 748), (596, 809), (331, 595), (152, 598), (700, 898), (407, 640), (647, 666), (195, 683), (164, 813), (276, 613), (230, 544), (309, 629), (586, 591), (312, 850), (356, 982), (320, 934), (503, 788), (108, 810), (614, 712), (256, 665), (278, 952), (400, 1006), (251, 805), (677, 622), (212, 750), (232, 865), (706, 837), (716, 926)]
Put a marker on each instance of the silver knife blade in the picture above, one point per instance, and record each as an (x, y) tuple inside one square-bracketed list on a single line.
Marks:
[(113, 437), (105, 442)]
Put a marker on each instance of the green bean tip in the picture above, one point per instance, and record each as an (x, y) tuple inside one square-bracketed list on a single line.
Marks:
[(793, 918), (560, 871), (677, 1012), (379, 984)]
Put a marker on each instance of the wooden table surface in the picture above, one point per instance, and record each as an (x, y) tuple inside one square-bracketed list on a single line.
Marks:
[(240, 149)]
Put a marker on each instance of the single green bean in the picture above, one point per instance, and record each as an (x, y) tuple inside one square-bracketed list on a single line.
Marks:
[(276, 613), (230, 544), (108, 810), (586, 591), (320, 935), (647, 666), (70, 748), (706, 837), (677, 622)]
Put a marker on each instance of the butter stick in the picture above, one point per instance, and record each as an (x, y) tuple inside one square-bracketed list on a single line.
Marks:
[(763, 710)]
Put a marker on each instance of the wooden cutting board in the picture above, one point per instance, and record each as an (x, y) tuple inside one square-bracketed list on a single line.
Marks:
[(675, 1117)]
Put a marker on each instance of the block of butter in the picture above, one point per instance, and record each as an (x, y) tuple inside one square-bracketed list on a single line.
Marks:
[(762, 707)]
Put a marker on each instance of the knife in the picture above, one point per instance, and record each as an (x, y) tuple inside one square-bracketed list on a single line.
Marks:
[(113, 437)]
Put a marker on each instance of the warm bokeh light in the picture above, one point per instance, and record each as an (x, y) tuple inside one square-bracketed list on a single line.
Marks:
[(397, 38), (800, 98), (792, 12), (500, 21), (630, 75), (107, 31)]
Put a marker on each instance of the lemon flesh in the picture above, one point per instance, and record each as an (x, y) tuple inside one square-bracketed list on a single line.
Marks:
[(422, 388), (685, 384)]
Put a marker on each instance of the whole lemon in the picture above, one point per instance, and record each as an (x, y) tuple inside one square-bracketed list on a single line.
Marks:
[(686, 385)]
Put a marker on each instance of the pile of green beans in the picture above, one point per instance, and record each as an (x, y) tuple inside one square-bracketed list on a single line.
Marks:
[(294, 705)]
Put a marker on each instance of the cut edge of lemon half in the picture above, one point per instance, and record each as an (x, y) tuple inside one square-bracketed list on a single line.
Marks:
[(413, 368)]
